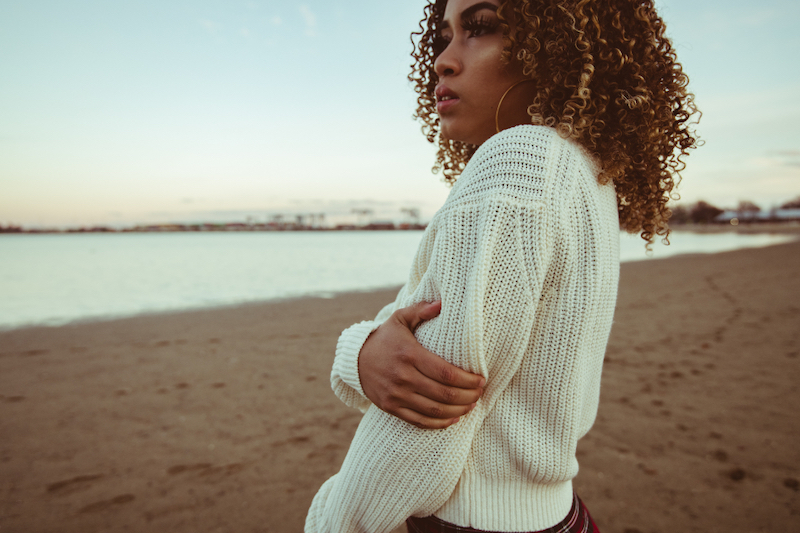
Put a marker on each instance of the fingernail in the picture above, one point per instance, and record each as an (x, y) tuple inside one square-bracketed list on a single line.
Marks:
[(455, 421), (482, 383), (471, 407)]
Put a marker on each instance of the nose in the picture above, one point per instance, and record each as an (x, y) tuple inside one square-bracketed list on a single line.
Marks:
[(447, 63)]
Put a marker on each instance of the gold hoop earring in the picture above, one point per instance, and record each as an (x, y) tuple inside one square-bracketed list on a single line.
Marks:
[(497, 113)]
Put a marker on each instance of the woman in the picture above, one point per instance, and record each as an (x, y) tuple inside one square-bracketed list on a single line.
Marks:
[(562, 119)]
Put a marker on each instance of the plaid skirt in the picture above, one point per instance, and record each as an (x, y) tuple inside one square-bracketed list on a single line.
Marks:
[(578, 520)]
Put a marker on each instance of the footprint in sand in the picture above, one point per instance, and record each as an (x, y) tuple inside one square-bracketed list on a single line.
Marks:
[(75, 484), (292, 440), (649, 471), (180, 469), (12, 399), (737, 474), (207, 469), (720, 455), (106, 504)]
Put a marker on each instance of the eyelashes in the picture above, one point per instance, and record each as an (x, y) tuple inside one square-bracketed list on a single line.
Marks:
[(477, 25)]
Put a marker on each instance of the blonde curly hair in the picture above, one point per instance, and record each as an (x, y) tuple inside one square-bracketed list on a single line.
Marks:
[(606, 76)]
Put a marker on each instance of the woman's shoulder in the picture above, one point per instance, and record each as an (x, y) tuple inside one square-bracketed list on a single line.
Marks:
[(527, 162), (529, 142), (525, 137)]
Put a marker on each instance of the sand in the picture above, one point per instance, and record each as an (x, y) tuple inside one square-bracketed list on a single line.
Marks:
[(223, 420)]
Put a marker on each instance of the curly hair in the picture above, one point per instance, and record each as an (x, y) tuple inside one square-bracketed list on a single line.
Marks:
[(606, 77)]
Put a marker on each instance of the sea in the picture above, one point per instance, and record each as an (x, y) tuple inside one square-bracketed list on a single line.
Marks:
[(55, 279)]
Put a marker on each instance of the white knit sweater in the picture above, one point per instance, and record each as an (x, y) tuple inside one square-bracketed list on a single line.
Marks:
[(524, 257)]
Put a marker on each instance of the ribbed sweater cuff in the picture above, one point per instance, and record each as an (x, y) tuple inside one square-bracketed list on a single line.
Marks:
[(345, 364), (503, 505)]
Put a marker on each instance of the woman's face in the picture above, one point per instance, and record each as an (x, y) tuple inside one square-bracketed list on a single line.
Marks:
[(472, 78)]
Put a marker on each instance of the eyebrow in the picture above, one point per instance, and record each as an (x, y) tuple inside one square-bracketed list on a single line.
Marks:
[(474, 8)]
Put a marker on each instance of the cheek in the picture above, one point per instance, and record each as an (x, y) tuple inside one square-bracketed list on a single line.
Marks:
[(495, 77)]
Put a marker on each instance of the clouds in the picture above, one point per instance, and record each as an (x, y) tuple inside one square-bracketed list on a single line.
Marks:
[(310, 20), (788, 158), (210, 26), (301, 21)]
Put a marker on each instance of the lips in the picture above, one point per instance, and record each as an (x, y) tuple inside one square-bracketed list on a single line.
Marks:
[(445, 99)]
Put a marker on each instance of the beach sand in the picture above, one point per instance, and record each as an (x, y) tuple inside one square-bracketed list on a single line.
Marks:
[(223, 420)]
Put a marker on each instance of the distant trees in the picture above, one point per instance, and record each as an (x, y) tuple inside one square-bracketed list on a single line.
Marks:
[(794, 204), (703, 213), (746, 207), (680, 215)]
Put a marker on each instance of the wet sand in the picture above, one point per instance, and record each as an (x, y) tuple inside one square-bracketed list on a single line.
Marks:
[(223, 420)]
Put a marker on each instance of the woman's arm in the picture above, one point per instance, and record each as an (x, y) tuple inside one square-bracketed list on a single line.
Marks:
[(489, 289), (404, 379), (380, 361)]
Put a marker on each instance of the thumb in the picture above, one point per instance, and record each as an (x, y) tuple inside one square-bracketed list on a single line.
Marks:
[(414, 315)]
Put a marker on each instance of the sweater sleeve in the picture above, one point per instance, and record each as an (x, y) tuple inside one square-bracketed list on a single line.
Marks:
[(345, 380), (489, 263)]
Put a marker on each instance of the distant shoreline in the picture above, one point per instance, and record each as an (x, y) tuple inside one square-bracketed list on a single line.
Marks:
[(789, 227)]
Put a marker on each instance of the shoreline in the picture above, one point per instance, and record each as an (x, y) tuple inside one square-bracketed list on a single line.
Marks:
[(98, 319), (224, 419), (167, 313), (745, 228)]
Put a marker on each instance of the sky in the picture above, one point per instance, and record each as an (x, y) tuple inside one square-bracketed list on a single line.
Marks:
[(156, 111)]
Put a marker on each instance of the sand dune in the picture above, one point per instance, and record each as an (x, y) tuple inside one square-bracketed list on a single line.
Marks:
[(223, 420)]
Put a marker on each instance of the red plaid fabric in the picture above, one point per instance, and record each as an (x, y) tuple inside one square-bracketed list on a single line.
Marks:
[(578, 520)]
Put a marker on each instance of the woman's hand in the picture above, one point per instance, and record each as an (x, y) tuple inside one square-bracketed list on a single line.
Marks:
[(407, 381)]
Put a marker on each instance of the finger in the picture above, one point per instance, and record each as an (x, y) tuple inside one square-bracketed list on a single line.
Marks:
[(430, 310), (413, 315), (423, 422), (445, 394), (437, 369), (433, 409)]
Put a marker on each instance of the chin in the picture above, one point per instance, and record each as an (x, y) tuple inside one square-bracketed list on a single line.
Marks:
[(452, 133), (467, 133)]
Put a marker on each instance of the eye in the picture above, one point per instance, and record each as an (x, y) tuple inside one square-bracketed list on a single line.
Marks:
[(480, 25)]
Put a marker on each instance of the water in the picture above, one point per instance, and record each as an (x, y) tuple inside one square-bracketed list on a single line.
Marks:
[(55, 279)]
